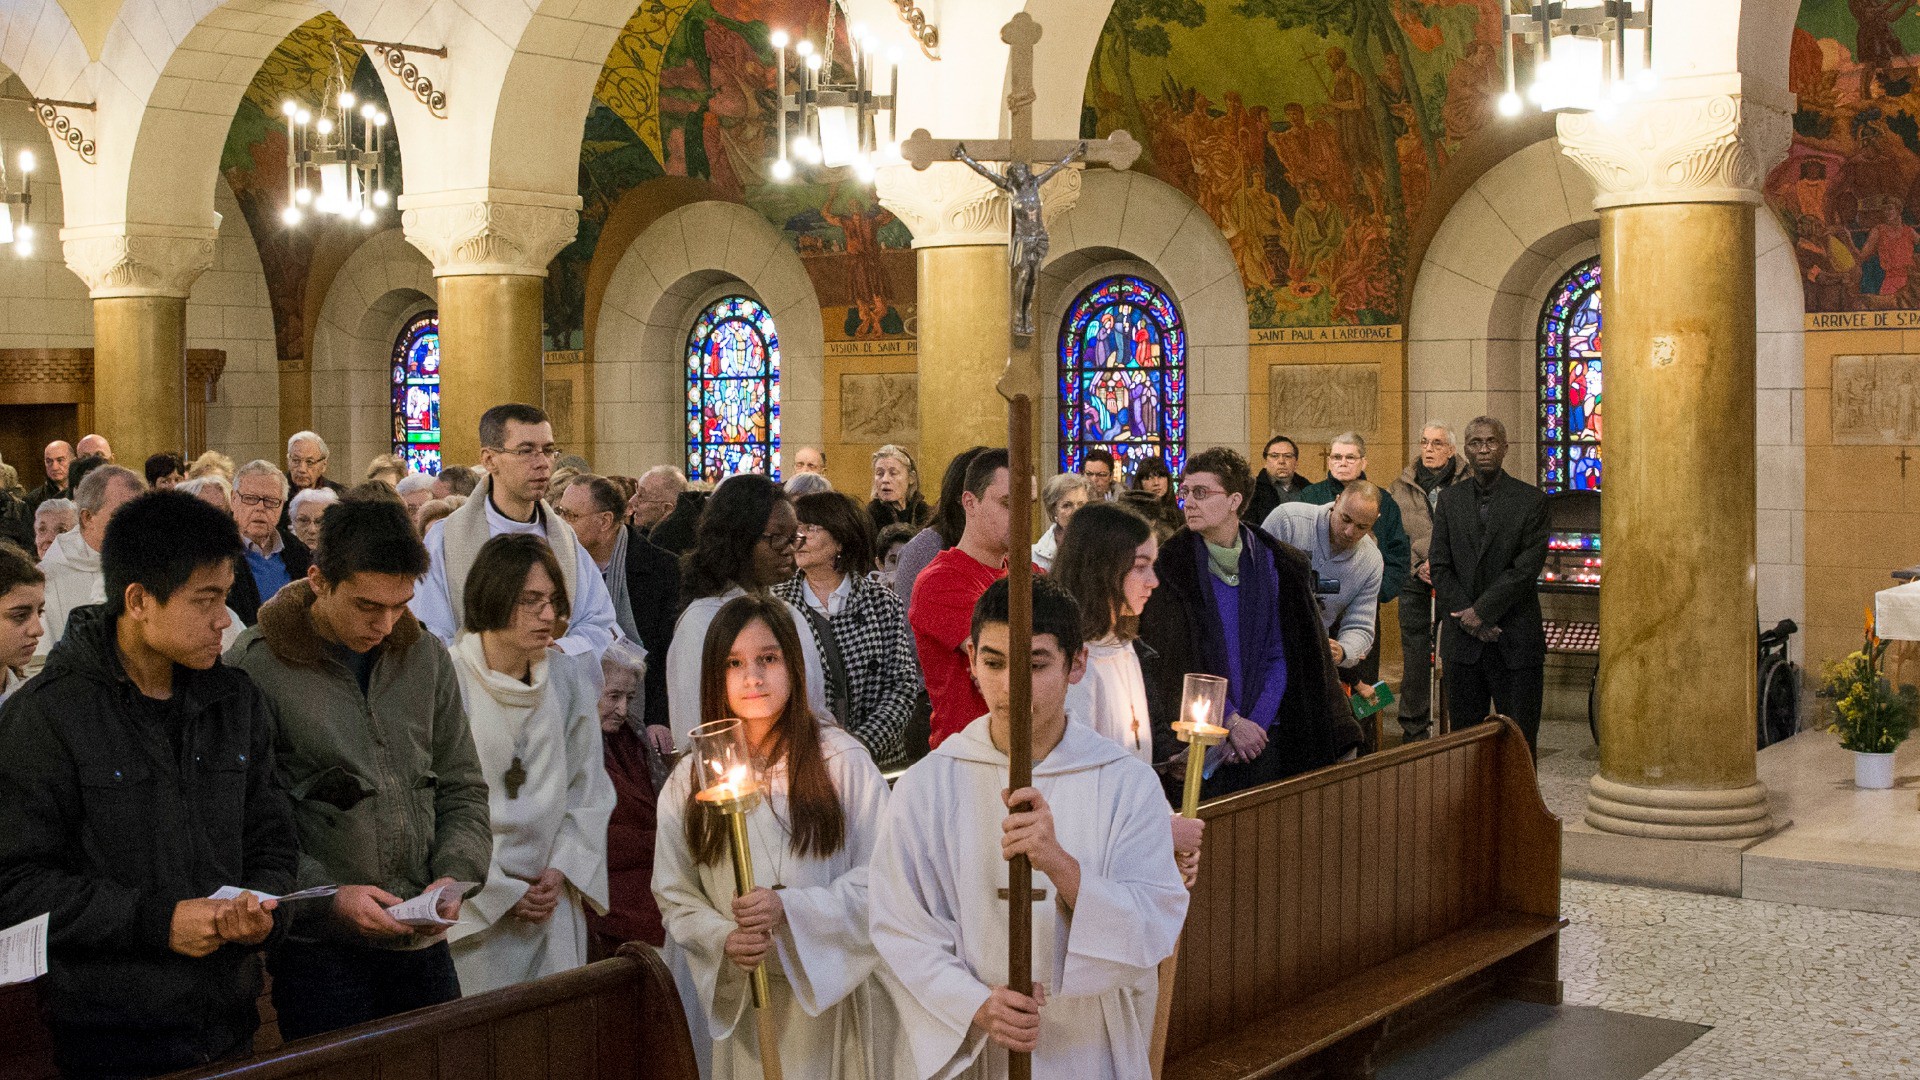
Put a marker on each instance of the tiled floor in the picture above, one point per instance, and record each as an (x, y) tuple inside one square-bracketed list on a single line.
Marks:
[(1792, 993)]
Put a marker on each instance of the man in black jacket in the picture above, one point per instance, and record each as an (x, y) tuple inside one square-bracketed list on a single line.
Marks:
[(138, 774), (643, 581), (674, 534), (1286, 711), (1489, 543), (1277, 481), (57, 457)]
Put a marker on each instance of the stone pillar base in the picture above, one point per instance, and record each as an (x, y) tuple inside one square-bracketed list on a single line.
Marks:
[(1678, 813)]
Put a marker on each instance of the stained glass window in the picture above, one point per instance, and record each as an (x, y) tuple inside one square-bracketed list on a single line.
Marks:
[(1123, 376), (733, 391), (416, 393), (1570, 382)]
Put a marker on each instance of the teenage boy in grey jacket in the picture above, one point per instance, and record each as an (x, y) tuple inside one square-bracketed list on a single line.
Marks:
[(374, 747)]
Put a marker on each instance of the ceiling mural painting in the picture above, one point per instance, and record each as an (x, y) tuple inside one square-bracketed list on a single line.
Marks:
[(1314, 152)]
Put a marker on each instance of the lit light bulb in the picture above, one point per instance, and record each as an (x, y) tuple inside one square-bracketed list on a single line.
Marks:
[(27, 162), (805, 48), (813, 62), (23, 234), (347, 100), (859, 32), (324, 127), (368, 111), (303, 196), (779, 39), (380, 120), (23, 249), (380, 197), (802, 147), (1510, 104), (863, 169), (289, 107), (291, 215), (782, 169), (1645, 80), (366, 215), (303, 118)]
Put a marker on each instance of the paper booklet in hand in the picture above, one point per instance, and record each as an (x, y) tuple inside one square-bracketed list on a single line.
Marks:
[(424, 910)]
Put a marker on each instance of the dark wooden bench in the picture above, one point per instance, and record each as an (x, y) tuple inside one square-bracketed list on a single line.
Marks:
[(1339, 907), (619, 1019)]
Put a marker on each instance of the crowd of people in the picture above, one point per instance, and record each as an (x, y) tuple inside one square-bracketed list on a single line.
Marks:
[(426, 736)]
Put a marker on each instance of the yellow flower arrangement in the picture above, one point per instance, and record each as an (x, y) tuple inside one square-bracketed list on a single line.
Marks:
[(1870, 714)]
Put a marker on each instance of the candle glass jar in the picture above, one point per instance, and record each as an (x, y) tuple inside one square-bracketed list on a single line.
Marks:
[(723, 770)]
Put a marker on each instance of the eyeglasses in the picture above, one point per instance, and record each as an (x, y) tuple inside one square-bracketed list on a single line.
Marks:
[(307, 462), (1483, 444), (1276, 455), (538, 606), (782, 542), (1434, 444), (571, 516), (1202, 494), (528, 453), (267, 501)]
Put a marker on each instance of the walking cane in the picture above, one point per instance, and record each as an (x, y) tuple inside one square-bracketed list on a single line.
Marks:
[(1439, 721)]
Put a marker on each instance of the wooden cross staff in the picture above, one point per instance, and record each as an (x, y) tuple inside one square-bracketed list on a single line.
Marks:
[(1021, 386)]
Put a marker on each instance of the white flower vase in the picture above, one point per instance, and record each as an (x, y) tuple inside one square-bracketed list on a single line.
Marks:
[(1872, 772)]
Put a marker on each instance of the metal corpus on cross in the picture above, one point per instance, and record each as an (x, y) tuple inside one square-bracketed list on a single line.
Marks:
[(1020, 385)]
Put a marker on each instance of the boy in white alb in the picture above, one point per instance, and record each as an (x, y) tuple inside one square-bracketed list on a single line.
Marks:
[(1096, 833)]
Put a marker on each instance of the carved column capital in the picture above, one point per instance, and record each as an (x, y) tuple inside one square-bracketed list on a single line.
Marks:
[(123, 259), (489, 230), (1711, 148), (948, 205)]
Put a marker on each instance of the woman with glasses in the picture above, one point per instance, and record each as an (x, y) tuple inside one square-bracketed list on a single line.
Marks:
[(1236, 603), (858, 623), (534, 713), (1060, 497), (896, 490), (743, 544)]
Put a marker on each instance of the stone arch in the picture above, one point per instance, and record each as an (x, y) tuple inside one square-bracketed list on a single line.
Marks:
[(384, 283), (1471, 326), (1131, 222), (40, 43), (677, 264)]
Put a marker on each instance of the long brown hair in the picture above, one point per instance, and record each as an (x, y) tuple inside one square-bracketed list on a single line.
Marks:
[(1095, 557), (819, 824)]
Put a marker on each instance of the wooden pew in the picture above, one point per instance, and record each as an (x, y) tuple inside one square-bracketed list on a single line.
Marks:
[(619, 1019), (1336, 908)]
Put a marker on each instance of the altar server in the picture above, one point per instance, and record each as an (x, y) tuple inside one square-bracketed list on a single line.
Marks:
[(812, 836), (1096, 832), (536, 724)]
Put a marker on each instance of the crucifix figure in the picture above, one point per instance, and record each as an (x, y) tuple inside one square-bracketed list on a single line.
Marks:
[(1021, 385), (1027, 248)]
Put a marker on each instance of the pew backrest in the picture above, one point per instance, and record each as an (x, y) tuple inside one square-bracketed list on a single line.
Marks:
[(1307, 883)]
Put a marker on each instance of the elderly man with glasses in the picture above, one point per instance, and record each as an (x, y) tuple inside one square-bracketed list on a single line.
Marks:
[(1236, 603), (517, 452), (273, 555)]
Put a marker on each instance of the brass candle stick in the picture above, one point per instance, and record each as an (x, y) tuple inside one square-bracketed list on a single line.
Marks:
[(724, 767), (1203, 706)]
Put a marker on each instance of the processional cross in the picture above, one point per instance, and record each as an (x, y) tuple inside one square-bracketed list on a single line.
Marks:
[(1020, 385)]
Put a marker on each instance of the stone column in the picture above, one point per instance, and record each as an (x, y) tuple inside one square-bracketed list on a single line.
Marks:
[(960, 229), (490, 249), (1678, 182), (139, 277)]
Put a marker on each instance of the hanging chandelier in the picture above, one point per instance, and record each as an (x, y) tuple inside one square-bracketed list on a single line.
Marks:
[(21, 235), (1585, 59), (833, 116), (336, 155)]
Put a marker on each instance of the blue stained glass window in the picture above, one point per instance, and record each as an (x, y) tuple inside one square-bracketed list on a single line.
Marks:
[(733, 391), (1123, 376), (416, 393), (1570, 399)]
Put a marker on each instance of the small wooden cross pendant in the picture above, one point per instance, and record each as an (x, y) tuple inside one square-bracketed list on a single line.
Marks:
[(516, 776)]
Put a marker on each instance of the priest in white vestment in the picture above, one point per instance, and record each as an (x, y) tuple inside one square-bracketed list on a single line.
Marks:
[(534, 711), (1101, 850)]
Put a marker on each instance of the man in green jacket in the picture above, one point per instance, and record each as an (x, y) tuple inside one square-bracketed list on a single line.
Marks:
[(373, 745)]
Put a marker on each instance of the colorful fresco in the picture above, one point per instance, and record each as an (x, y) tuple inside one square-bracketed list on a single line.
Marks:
[(254, 162), (733, 391), (1123, 377), (1848, 192), (688, 90), (1313, 149), (1570, 387)]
